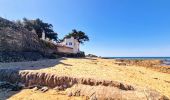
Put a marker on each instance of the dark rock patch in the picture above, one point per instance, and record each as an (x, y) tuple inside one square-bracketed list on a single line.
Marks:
[(12, 87)]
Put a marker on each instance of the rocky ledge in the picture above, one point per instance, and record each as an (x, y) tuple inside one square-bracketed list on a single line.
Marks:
[(19, 44), (92, 88)]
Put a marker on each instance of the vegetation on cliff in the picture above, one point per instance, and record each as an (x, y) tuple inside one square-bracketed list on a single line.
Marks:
[(21, 40), (39, 27), (19, 44)]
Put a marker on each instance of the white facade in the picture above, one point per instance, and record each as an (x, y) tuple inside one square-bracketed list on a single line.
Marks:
[(43, 35), (69, 45), (72, 43)]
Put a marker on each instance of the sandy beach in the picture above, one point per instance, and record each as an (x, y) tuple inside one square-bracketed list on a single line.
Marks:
[(96, 68)]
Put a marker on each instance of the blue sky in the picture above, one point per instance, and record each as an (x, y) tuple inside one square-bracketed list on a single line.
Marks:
[(115, 27)]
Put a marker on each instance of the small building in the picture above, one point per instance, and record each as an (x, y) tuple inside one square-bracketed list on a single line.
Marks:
[(64, 49), (71, 43)]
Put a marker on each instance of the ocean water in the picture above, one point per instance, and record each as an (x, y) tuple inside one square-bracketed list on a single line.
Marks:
[(166, 60)]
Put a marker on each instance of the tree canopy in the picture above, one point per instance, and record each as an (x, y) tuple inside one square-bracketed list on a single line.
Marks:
[(39, 27), (79, 35)]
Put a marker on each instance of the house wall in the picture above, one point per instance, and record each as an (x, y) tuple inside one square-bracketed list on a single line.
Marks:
[(74, 44), (64, 49)]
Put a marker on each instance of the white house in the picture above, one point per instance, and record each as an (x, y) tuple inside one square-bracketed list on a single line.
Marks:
[(71, 43)]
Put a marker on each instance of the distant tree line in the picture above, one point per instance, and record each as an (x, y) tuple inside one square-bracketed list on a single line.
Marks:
[(38, 26)]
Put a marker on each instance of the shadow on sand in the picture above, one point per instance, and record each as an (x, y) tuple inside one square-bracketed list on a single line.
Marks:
[(29, 65), (33, 65)]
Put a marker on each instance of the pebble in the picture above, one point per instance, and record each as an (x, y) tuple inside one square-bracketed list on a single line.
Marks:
[(64, 86), (59, 88), (93, 98), (35, 88), (44, 89), (69, 94)]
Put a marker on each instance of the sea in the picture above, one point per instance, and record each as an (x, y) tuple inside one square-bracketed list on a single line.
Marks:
[(166, 60)]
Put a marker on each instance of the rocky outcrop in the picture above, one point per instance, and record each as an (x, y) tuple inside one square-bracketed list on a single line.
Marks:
[(156, 65), (147, 63), (17, 43), (9, 86), (92, 88), (112, 93), (9, 75), (20, 56), (16, 38), (53, 80), (91, 55)]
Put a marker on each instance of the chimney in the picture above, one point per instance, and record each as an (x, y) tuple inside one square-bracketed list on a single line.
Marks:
[(43, 35)]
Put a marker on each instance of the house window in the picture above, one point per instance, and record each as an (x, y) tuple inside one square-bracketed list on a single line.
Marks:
[(70, 43), (66, 44)]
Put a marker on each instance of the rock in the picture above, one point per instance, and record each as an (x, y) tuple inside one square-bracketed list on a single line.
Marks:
[(59, 88), (35, 89), (44, 89), (9, 75), (80, 87), (69, 94), (32, 79), (93, 97), (91, 55), (32, 86), (19, 44), (77, 93), (5, 85), (64, 86), (16, 88), (164, 98), (112, 93), (12, 87), (56, 88)]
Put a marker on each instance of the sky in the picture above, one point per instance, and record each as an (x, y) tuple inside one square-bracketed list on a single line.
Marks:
[(116, 28)]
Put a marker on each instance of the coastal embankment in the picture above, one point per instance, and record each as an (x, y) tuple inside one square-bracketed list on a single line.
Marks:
[(92, 74)]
